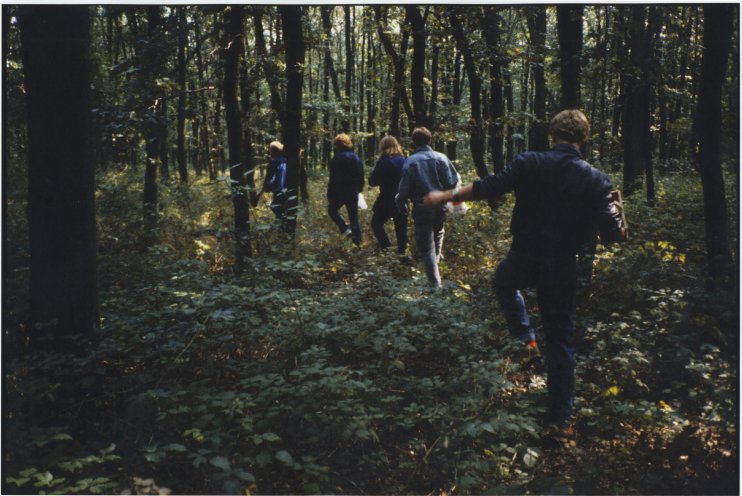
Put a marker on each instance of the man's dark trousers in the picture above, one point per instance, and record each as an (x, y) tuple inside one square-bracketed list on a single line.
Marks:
[(554, 278)]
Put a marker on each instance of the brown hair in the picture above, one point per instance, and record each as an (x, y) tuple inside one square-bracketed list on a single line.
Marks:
[(276, 148), (342, 140), (570, 126), (421, 136), (389, 146)]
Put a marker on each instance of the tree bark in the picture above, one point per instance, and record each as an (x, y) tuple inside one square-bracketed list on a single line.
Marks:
[(717, 36), (569, 28), (295, 52), (491, 30), (539, 136), (270, 68), (234, 16), (61, 190), (476, 140), (348, 103), (417, 68), (398, 61), (182, 37)]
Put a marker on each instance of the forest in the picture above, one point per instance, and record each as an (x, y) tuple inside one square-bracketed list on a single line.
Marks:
[(165, 333)]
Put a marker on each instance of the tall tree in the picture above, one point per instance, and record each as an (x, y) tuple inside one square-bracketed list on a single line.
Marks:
[(150, 61), (349, 56), (491, 30), (331, 75), (538, 134), (291, 17), (476, 137), (636, 120), (717, 37), (417, 68), (270, 68), (398, 61), (182, 39), (569, 28), (234, 20), (61, 190)]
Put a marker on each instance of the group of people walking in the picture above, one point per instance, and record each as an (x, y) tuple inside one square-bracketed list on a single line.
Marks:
[(560, 203)]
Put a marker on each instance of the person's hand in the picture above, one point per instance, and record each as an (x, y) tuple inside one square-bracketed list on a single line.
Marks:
[(435, 198), (624, 234)]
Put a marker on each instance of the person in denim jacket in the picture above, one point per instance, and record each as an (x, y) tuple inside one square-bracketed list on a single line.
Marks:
[(346, 181), (560, 201), (386, 175), (424, 171), (275, 179)]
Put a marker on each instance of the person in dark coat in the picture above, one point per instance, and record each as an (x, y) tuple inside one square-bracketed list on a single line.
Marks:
[(275, 179), (346, 182), (560, 201), (386, 175)]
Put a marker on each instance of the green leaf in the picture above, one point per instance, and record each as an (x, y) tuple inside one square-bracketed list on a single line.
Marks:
[(221, 462), (285, 457)]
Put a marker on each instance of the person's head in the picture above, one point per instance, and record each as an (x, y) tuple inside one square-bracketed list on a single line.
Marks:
[(276, 149), (389, 146), (342, 142), (421, 136), (569, 126)]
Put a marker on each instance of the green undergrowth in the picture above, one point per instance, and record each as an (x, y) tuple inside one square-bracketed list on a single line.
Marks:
[(324, 368)]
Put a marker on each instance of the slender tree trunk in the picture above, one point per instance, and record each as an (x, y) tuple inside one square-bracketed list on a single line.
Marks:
[(182, 37), (55, 44), (434, 71), (398, 61), (348, 69), (510, 105), (539, 136), (152, 120), (717, 36), (417, 69), (234, 17), (270, 68), (569, 28), (475, 91), (330, 73), (636, 118), (452, 145), (295, 51), (491, 30)]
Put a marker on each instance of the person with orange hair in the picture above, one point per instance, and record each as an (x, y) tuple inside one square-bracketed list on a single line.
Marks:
[(346, 181)]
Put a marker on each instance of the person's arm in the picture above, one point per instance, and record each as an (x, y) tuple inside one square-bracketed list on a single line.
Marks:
[(374, 179), (361, 179), (465, 193), (280, 177)]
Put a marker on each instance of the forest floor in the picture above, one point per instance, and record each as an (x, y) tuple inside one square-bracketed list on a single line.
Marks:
[(325, 368)]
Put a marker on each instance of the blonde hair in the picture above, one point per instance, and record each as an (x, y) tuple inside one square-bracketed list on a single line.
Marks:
[(389, 146), (276, 148), (343, 140), (570, 126)]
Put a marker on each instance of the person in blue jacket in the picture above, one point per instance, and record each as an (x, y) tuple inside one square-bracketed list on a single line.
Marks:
[(423, 171), (346, 181), (275, 180), (386, 175), (560, 202)]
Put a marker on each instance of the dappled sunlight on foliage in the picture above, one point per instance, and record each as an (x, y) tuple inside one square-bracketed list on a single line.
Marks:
[(328, 368)]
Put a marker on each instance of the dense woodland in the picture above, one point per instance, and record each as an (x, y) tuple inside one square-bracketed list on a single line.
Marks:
[(161, 332)]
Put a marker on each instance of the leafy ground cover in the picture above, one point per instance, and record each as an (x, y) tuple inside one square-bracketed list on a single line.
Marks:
[(325, 368)]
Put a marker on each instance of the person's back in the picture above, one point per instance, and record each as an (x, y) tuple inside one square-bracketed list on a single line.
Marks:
[(558, 199), (429, 171), (386, 176), (346, 175)]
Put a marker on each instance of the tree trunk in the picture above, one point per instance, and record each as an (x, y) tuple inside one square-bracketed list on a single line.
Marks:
[(152, 127), (434, 70), (452, 145), (61, 191), (235, 35), (417, 68), (295, 49), (398, 61), (636, 112), (182, 36), (270, 68), (717, 36), (539, 135), (569, 28), (330, 73), (348, 69), (475, 91), (496, 110)]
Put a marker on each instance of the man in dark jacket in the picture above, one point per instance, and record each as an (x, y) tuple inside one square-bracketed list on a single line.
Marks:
[(560, 201)]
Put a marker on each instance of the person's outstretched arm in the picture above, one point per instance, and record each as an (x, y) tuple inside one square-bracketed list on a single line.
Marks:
[(434, 198)]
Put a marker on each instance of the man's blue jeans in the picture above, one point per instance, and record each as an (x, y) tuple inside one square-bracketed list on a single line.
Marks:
[(429, 234), (554, 278), (351, 204)]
